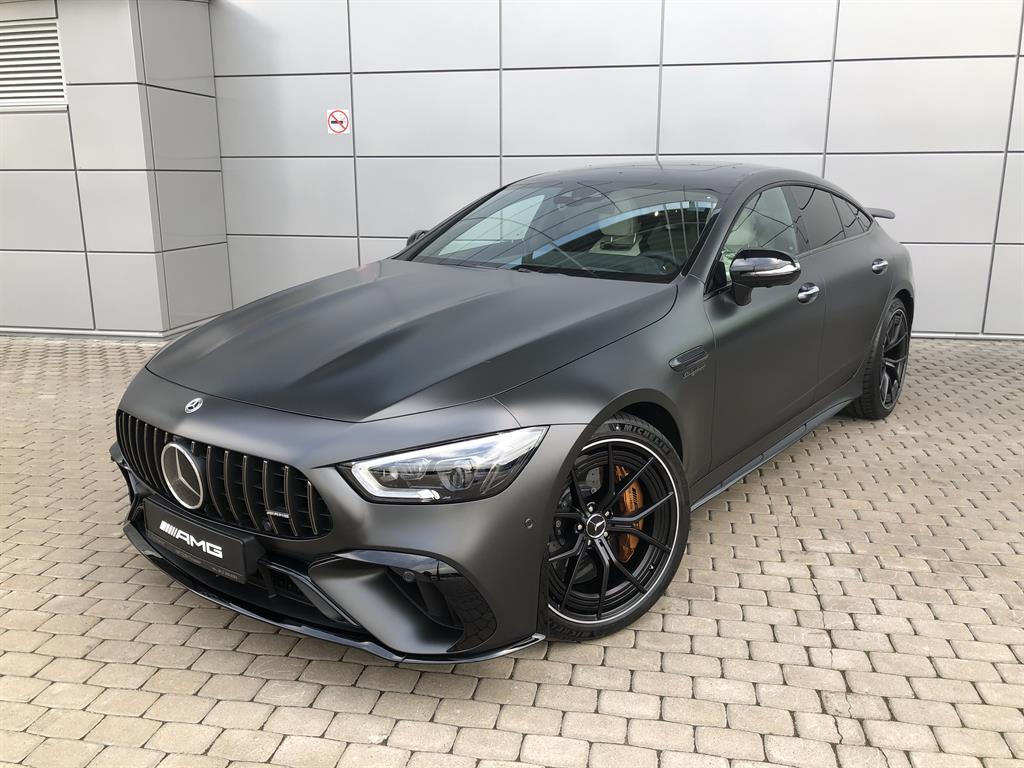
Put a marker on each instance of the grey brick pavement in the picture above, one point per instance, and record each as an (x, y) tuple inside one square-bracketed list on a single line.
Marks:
[(858, 602)]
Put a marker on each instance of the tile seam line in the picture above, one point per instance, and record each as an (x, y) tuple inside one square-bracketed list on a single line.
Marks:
[(1002, 175), (354, 129)]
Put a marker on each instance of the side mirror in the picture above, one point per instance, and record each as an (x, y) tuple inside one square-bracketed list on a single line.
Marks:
[(415, 236), (760, 268)]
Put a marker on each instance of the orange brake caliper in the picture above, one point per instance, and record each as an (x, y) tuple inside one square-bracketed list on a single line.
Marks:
[(631, 503)]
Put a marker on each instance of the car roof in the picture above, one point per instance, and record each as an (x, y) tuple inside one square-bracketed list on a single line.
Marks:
[(722, 177)]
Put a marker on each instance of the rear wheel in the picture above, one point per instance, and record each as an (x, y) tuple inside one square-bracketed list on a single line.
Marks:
[(887, 366), (618, 532)]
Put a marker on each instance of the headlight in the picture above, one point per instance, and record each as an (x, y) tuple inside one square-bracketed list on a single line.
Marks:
[(468, 469)]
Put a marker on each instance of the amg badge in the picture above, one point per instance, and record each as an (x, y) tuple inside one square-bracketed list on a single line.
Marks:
[(207, 547)]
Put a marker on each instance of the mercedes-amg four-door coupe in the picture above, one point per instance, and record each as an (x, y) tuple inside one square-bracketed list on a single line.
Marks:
[(498, 434)]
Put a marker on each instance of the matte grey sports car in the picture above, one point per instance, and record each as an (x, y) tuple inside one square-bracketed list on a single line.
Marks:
[(498, 434)]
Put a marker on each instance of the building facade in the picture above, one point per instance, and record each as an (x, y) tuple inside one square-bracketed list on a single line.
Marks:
[(162, 161)]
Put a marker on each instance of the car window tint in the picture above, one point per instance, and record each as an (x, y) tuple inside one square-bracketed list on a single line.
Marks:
[(765, 221), (848, 214), (817, 219), (595, 230), (864, 219)]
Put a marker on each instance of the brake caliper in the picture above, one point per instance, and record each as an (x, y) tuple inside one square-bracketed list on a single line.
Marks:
[(631, 503)]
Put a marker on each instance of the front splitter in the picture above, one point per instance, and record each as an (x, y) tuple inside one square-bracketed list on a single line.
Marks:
[(279, 620)]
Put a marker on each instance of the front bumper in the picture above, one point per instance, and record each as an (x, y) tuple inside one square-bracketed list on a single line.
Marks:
[(426, 583)]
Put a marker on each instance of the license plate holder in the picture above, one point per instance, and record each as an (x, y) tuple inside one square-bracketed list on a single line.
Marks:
[(231, 555)]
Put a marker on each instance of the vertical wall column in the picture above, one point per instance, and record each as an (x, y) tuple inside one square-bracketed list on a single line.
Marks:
[(144, 134), (112, 207)]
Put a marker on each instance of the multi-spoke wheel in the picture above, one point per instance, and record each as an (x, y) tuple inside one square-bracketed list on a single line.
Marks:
[(895, 349), (618, 531), (886, 369)]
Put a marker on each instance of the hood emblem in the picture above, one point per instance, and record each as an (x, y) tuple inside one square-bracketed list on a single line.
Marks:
[(193, 405)]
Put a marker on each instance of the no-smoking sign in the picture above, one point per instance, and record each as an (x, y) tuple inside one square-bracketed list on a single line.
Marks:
[(338, 121)]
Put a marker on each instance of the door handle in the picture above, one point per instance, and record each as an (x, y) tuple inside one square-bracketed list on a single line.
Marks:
[(878, 266), (808, 292)]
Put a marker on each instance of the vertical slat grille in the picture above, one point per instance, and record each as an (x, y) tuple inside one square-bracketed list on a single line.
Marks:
[(30, 65), (246, 492)]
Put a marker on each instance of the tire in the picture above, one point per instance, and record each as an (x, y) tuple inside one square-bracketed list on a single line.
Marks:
[(886, 368), (639, 525)]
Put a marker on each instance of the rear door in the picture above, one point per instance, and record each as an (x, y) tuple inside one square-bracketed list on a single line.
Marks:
[(858, 283)]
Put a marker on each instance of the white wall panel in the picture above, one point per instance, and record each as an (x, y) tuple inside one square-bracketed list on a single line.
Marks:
[(35, 140), (119, 210), (580, 111), (282, 115), (376, 248), (774, 108), (110, 126), (920, 105), (142, 307), (950, 283), (540, 33), (1017, 120), (265, 265), (937, 198), (99, 41), (44, 290), (515, 168), (1011, 210), (176, 45), (27, 9), (431, 113), (424, 34), (289, 196), (39, 211), (191, 208), (198, 284), (705, 31), (257, 37), (184, 131), (897, 28), (400, 195), (1006, 291)]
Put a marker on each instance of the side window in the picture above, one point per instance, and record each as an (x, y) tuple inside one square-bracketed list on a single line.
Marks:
[(765, 221), (817, 219), (849, 213)]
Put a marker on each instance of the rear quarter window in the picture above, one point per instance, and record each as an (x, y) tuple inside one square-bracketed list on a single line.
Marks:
[(850, 215)]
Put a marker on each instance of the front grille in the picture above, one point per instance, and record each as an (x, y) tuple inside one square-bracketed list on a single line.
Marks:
[(242, 491)]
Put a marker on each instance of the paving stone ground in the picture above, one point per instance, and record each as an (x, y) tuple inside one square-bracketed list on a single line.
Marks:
[(857, 603)]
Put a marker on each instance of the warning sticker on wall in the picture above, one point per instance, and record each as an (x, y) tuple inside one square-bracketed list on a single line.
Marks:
[(338, 121)]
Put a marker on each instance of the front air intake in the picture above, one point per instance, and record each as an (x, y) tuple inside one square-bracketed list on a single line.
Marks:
[(242, 491)]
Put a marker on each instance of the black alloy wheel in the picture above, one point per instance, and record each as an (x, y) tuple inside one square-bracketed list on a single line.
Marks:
[(895, 350), (616, 532), (885, 370)]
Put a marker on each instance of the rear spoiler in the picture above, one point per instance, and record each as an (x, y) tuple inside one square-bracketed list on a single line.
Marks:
[(881, 213)]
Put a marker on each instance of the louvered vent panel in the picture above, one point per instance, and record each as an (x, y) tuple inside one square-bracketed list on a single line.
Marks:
[(30, 69)]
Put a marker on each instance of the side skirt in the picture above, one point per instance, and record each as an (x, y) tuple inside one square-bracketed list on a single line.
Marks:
[(771, 453)]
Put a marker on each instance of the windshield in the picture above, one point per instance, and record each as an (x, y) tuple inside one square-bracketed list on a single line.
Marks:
[(593, 230)]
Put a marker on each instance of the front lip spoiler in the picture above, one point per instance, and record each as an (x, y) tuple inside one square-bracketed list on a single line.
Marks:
[(277, 620)]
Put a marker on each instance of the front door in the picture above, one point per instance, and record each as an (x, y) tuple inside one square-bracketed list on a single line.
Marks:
[(766, 351)]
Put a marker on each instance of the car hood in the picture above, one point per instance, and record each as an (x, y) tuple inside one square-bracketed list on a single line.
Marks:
[(396, 337)]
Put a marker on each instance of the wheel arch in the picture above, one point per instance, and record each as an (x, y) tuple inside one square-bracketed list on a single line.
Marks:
[(907, 298), (660, 418)]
